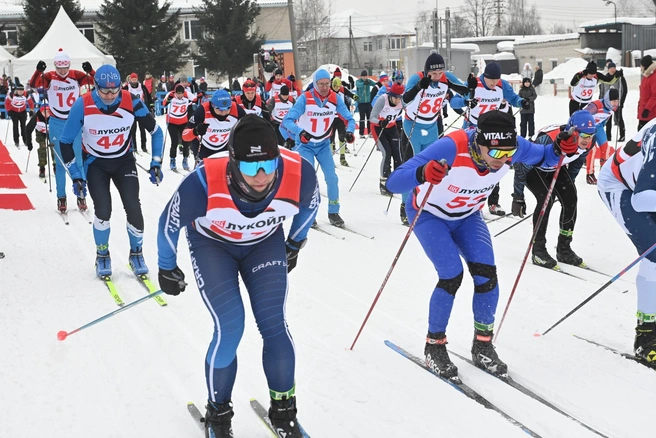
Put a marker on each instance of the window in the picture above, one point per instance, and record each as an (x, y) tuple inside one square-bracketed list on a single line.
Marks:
[(554, 63), (368, 46), (199, 72), (539, 62), (379, 44), (87, 31), (396, 43), (11, 34), (403, 43), (393, 64), (191, 30)]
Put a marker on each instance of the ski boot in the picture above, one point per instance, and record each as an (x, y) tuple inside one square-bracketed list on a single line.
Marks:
[(564, 253), (17, 145), (404, 216), (496, 210), (282, 414), (383, 188), (42, 172), (218, 420), (621, 139), (181, 148), (61, 205), (173, 165), (143, 147), (336, 220), (185, 164), (437, 357), (484, 355), (645, 343), (82, 203), (137, 262), (541, 257), (342, 160), (103, 264), (591, 179), (315, 225)]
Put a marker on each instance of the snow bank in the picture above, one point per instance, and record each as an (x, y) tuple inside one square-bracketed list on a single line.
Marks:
[(566, 70), (505, 46)]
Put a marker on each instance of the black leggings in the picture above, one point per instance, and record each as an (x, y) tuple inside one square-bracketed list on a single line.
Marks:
[(388, 143), (175, 132), (18, 118), (365, 115), (339, 130), (123, 172), (575, 106), (538, 182), (133, 134)]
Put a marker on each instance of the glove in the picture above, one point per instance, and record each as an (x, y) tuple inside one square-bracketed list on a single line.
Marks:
[(472, 83), (29, 145), (445, 113), (518, 205), (584, 72), (526, 104), (293, 248), (80, 188), (355, 97), (350, 138), (567, 142), (424, 83), (645, 114), (289, 144), (305, 137), (201, 129), (433, 172), (156, 174), (271, 79), (41, 66), (171, 281), (86, 66), (472, 102), (383, 123)]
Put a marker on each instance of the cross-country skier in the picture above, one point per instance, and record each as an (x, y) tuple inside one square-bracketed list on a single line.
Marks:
[(139, 91), (602, 111), (212, 122), (461, 169), (62, 87), (105, 116), (278, 106), (177, 119), (628, 188), (252, 102), (584, 85), (538, 180), (384, 114), (276, 82), (233, 206), (16, 105), (310, 121), (38, 123)]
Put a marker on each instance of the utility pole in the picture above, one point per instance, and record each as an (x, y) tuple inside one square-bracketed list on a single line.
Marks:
[(292, 26), (499, 4), (435, 30), (350, 45), (447, 31)]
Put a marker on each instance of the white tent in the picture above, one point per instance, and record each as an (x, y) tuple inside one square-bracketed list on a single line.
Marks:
[(7, 61), (62, 34)]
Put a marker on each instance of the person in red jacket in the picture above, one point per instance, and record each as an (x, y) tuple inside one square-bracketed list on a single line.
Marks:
[(176, 121), (16, 105), (275, 83), (647, 101)]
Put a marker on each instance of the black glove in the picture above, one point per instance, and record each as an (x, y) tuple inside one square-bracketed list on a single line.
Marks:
[(584, 72), (289, 144), (424, 83), (271, 79), (445, 113), (171, 281), (29, 145), (41, 66), (645, 114), (293, 248), (305, 137), (350, 138), (86, 66), (472, 103), (383, 123), (619, 73), (472, 83), (201, 129), (526, 104), (518, 205)]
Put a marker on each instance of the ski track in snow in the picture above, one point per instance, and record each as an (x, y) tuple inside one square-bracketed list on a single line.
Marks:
[(133, 374)]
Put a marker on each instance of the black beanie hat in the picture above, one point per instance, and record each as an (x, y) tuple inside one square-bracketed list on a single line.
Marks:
[(591, 67), (434, 62), (364, 73), (496, 128), (613, 94), (284, 90), (646, 61), (253, 139), (492, 71), (179, 89), (277, 72)]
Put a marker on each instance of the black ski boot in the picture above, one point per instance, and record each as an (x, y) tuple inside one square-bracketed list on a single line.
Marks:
[(218, 420), (282, 414), (437, 357), (336, 220), (484, 355), (404, 217), (383, 188), (564, 253), (82, 203), (342, 160), (42, 172), (541, 257), (645, 343)]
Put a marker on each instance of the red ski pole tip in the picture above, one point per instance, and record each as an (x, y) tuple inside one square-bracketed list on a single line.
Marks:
[(537, 335), (62, 335)]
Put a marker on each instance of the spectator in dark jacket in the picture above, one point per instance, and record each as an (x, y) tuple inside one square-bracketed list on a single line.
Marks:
[(537, 77), (202, 87), (621, 86), (527, 92), (647, 102)]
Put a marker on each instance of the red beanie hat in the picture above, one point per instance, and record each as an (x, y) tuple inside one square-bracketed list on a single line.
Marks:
[(338, 73)]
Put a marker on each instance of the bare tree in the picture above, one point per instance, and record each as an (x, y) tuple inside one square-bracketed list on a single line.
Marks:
[(522, 19), (460, 27), (480, 15), (424, 26), (314, 31), (632, 8), (560, 28)]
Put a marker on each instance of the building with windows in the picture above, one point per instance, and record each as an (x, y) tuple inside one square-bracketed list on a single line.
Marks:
[(273, 22), (353, 41)]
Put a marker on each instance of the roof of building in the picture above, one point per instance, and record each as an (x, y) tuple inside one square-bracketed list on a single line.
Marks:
[(533, 39), (612, 22), (489, 39), (456, 46)]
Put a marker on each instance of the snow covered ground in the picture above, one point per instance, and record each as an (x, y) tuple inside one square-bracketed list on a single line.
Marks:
[(132, 375)]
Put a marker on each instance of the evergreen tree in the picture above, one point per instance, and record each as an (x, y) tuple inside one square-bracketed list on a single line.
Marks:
[(226, 45), (141, 36), (39, 15)]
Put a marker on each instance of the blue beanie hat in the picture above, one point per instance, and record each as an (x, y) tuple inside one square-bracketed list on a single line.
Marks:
[(321, 73), (434, 62), (582, 121), (492, 71)]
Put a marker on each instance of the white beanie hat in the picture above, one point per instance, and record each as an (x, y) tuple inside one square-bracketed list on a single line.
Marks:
[(62, 60)]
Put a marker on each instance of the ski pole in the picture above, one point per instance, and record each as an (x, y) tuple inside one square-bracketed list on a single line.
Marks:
[(530, 244), (396, 258), (361, 146), (608, 283), (28, 161), (148, 172), (513, 225), (48, 154), (365, 163), (9, 121), (62, 335)]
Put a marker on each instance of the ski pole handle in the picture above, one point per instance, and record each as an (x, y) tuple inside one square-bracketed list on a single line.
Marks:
[(62, 335)]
